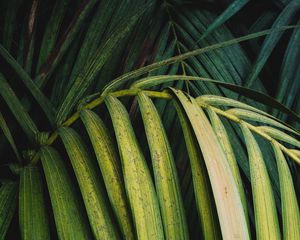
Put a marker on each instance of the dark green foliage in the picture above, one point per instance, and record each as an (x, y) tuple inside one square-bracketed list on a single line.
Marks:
[(58, 58)]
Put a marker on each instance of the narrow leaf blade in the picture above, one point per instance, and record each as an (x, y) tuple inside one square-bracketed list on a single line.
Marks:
[(139, 186), (290, 208), (8, 205), (92, 192), (109, 164), (166, 179), (70, 218), (266, 220), (32, 209), (229, 206), (203, 194), (17, 108)]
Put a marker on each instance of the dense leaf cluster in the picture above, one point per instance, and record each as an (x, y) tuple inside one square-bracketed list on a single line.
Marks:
[(149, 119)]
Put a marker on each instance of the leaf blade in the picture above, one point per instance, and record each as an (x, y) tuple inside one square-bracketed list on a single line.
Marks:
[(203, 194), (90, 187), (266, 221), (70, 218), (290, 208), (229, 207), (33, 217), (8, 205), (166, 179), (138, 182), (8, 135), (111, 171), (17, 109)]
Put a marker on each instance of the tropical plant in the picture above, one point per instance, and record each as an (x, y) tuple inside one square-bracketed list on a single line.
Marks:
[(134, 119)]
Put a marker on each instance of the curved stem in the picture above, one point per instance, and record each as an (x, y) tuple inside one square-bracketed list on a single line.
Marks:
[(93, 104), (253, 128), (136, 73)]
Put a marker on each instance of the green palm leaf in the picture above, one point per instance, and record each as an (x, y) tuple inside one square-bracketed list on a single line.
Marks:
[(232, 217), (110, 168), (70, 217), (149, 119), (32, 209), (90, 186), (8, 200), (139, 186), (166, 179), (266, 221)]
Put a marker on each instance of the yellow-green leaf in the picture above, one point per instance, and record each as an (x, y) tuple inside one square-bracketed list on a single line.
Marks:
[(252, 116), (266, 220), (222, 135), (289, 204), (279, 135), (228, 202), (89, 183), (215, 100), (33, 215), (139, 185), (203, 193), (109, 164), (166, 179), (70, 218)]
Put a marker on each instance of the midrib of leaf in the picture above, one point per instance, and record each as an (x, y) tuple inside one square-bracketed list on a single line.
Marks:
[(176, 41), (115, 83), (127, 76), (132, 92), (253, 129)]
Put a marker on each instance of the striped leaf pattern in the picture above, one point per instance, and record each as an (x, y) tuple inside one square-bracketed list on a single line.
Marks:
[(146, 119)]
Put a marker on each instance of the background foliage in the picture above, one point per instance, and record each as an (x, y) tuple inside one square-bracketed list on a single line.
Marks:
[(57, 57)]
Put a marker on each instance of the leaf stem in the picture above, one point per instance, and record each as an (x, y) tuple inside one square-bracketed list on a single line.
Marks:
[(95, 103), (253, 128)]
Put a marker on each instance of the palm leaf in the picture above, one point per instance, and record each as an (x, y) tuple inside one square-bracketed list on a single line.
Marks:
[(95, 63), (110, 168), (8, 135), (32, 209), (202, 188), (224, 188), (266, 220), (70, 217), (90, 186), (41, 99), (139, 186), (8, 200), (17, 109), (166, 180), (290, 208), (138, 167), (222, 135)]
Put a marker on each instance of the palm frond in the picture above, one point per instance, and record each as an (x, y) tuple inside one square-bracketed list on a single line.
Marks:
[(149, 119)]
